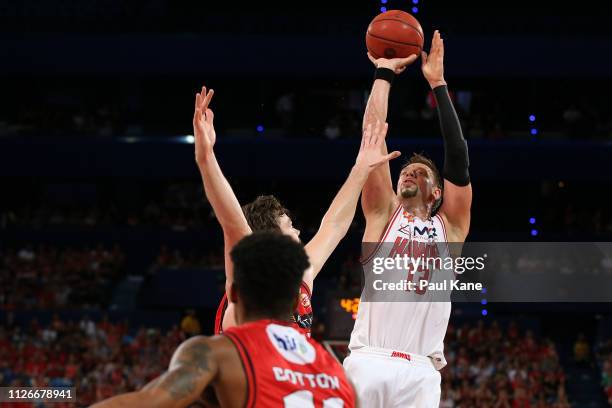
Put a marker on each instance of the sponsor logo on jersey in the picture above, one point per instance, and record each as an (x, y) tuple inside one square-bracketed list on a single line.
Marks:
[(291, 344), (428, 232), (405, 229), (425, 231)]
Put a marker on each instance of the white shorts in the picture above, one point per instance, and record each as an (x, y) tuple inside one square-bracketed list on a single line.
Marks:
[(384, 378)]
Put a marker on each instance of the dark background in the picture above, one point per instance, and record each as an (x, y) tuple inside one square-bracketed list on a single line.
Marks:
[(101, 197)]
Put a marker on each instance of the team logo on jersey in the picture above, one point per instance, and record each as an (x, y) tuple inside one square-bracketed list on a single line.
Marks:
[(291, 344)]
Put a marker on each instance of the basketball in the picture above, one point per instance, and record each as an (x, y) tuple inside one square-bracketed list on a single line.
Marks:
[(394, 34)]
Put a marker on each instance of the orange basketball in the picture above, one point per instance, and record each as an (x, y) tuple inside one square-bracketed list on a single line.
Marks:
[(394, 34)]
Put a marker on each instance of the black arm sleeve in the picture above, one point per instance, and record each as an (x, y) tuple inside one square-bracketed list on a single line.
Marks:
[(456, 160)]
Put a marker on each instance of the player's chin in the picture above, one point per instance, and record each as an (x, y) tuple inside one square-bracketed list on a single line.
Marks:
[(409, 191)]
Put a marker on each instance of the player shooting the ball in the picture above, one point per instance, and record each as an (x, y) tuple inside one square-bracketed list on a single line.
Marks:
[(397, 347)]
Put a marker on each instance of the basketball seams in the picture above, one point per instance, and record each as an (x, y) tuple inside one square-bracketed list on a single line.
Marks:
[(400, 21), (395, 42)]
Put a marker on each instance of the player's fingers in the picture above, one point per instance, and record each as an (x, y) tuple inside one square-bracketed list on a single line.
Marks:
[(202, 97), (376, 133), (208, 98), (366, 135), (393, 155), (197, 101), (408, 60), (210, 116), (382, 132), (435, 46), (387, 158), (366, 132), (380, 136), (423, 58), (372, 58), (371, 131), (197, 115)]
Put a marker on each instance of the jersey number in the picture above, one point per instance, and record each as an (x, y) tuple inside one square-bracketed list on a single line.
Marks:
[(304, 399), (425, 277)]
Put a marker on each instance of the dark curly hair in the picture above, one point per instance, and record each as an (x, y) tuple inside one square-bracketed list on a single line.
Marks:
[(262, 213), (268, 270), (419, 158)]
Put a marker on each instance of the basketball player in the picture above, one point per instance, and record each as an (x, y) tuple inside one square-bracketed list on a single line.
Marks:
[(264, 362), (397, 347), (267, 214)]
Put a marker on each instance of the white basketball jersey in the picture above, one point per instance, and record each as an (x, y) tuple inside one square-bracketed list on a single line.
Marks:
[(416, 326)]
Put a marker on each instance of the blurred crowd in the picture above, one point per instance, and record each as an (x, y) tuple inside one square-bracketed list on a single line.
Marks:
[(287, 110), (176, 259), (173, 206), (46, 277), (99, 359), (557, 207), (494, 367)]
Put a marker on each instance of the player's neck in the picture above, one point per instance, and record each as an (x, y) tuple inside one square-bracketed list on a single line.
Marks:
[(418, 209)]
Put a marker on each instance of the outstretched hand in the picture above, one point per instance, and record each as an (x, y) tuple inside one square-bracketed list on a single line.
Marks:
[(398, 65), (432, 65), (203, 127), (370, 155)]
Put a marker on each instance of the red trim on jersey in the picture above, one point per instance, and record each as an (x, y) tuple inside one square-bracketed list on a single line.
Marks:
[(383, 236), (443, 227), (305, 286), (246, 361), (445, 236), (446, 239), (220, 313)]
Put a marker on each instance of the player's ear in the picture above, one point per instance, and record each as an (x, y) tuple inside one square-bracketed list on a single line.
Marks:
[(437, 193), (233, 293)]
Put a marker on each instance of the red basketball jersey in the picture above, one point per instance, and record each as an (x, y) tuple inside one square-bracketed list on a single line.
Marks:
[(302, 315), (220, 313), (286, 368)]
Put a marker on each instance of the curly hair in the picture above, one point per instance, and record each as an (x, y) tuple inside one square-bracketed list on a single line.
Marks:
[(268, 270), (262, 213)]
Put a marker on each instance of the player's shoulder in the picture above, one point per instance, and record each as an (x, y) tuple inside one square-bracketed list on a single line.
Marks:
[(451, 233), (378, 222), (203, 345), (202, 350)]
